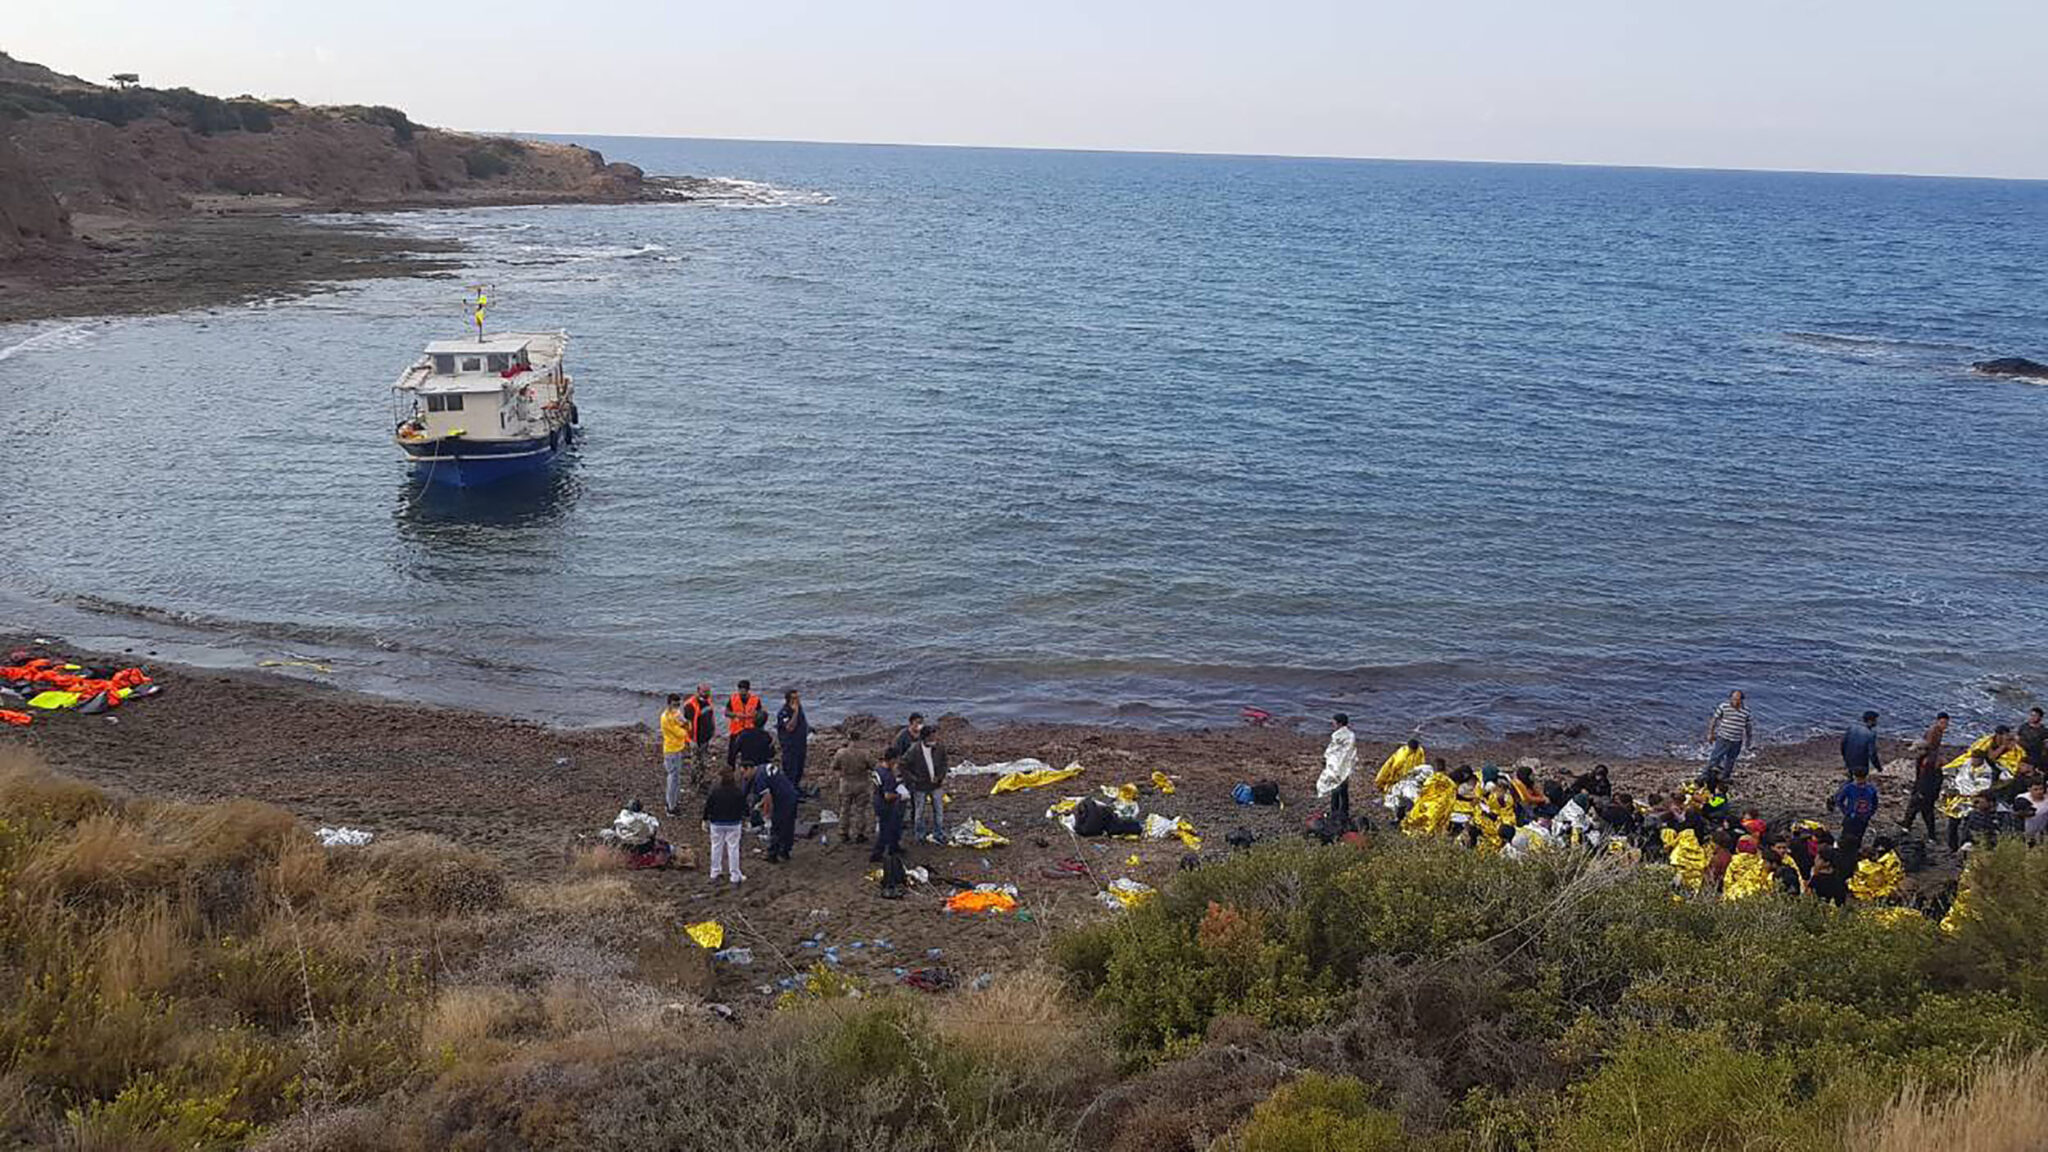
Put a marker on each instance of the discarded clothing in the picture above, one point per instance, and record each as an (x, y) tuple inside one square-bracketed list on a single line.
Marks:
[(1123, 892), (343, 837), (709, 934), (984, 898), (1006, 768), (18, 719), (1035, 778), (975, 834), (1161, 783), (53, 700), (1159, 827)]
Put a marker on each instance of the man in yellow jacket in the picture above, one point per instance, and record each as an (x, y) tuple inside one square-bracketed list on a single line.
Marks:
[(1399, 763), (675, 749)]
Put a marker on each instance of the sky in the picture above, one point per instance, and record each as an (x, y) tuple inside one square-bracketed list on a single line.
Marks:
[(1920, 86)]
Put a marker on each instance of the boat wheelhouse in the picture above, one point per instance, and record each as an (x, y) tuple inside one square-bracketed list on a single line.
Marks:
[(472, 411)]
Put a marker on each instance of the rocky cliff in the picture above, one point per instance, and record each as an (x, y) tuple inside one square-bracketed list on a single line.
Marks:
[(68, 146)]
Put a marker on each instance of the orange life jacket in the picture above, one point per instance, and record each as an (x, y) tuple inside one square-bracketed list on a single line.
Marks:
[(743, 710), (694, 713)]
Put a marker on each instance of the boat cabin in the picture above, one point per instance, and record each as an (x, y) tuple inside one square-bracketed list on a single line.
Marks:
[(493, 357)]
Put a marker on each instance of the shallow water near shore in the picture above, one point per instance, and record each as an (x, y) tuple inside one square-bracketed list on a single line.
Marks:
[(1113, 437)]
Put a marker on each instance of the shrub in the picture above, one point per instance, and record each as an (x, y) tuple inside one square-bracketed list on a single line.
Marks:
[(1319, 1113), (483, 164), (401, 125)]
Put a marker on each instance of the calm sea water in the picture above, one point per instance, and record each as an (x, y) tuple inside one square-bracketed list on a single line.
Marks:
[(1132, 437)]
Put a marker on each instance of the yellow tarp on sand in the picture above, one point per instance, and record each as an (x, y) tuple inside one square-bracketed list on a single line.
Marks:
[(708, 934), (1018, 781)]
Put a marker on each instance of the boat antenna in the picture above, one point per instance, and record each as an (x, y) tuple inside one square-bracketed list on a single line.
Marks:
[(482, 301)]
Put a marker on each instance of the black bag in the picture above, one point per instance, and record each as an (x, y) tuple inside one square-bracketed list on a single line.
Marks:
[(1091, 817), (1265, 792), (1912, 854)]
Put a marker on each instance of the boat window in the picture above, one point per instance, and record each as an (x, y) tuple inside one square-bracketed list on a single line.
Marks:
[(500, 361), (444, 363), (472, 364), (448, 402)]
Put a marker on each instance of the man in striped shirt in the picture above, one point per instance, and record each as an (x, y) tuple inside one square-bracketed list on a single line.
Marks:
[(1729, 730)]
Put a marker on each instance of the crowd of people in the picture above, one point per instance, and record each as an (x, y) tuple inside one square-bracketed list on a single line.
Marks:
[(1995, 787), (881, 795)]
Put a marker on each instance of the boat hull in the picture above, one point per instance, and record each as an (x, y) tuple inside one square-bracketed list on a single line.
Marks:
[(476, 463)]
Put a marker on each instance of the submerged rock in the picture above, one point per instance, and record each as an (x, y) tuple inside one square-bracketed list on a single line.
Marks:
[(2018, 366)]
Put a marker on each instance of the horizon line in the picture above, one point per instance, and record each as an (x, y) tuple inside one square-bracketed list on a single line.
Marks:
[(1322, 156)]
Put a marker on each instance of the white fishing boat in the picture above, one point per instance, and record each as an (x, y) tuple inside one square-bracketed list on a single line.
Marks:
[(473, 411)]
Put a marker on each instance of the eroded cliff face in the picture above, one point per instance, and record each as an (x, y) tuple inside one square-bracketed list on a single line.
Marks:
[(30, 214), (156, 166), (68, 146)]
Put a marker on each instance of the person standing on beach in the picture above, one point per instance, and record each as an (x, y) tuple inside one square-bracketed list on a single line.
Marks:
[(1856, 800), (1730, 731), (890, 796), (906, 736), (1340, 760), (793, 733), (700, 720), (923, 767), (675, 749), (740, 709), (1859, 746), (725, 810), (2033, 737), (855, 768), (1927, 778)]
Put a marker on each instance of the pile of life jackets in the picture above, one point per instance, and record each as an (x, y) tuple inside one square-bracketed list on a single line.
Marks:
[(51, 685)]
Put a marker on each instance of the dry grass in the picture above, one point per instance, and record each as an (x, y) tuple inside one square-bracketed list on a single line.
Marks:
[(2003, 1110), (463, 1018), (586, 896), (1024, 1016), (27, 788), (595, 859)]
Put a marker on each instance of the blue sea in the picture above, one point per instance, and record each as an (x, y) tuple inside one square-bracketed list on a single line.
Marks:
[(1110, 437)]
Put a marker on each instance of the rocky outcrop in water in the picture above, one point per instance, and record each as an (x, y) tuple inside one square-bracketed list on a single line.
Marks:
[(2016, 366)]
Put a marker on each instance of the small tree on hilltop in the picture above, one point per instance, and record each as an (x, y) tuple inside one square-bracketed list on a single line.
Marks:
[(125, 79)]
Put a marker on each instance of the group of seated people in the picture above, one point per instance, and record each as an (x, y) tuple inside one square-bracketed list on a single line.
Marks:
[(1714, 846)]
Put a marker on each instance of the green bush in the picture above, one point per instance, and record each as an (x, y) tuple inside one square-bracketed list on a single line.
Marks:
[(1319, 1113), (483, 164)]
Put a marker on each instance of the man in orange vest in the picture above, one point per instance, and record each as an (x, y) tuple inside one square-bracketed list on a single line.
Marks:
[(740, 709)]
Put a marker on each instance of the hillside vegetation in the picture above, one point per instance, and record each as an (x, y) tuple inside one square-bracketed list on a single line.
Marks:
[(70, 147), (209, 977)]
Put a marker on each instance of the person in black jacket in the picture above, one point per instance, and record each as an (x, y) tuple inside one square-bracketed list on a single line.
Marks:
[(923, 768), (747, 751), (725, 810)]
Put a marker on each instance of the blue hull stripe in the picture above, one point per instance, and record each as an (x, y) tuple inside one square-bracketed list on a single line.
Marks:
[(479, 462)]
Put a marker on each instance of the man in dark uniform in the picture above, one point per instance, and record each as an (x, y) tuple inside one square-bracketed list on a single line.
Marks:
[(891, 796)]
